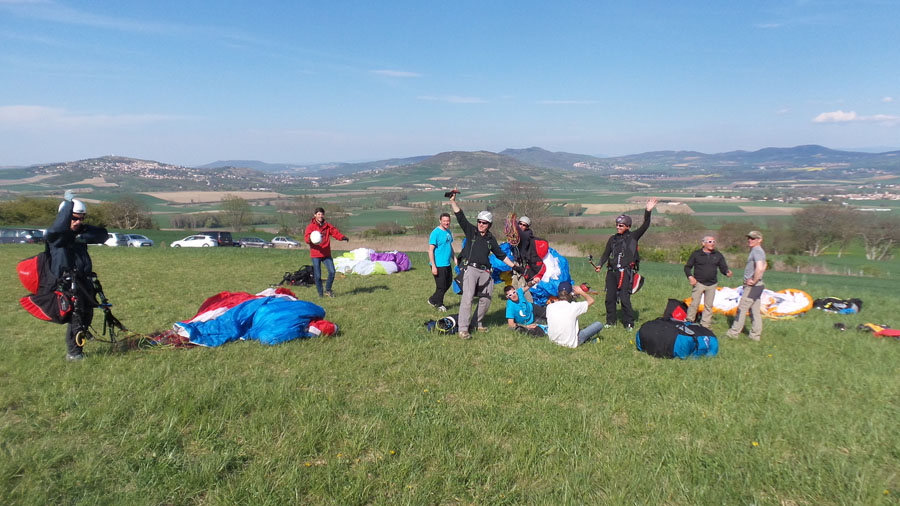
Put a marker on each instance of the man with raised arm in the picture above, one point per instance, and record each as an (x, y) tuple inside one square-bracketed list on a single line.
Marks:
[(476, 264)]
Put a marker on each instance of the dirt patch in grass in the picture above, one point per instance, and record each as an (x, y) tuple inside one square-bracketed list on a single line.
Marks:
[(97, 181), (32, 179), (198, 197), (769, 211)]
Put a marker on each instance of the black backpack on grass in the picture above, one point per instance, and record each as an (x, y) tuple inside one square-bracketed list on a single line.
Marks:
[(669, 338), (304, 276)]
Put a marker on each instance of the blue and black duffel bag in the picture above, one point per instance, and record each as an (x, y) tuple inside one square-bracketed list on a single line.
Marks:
[(669, 338)]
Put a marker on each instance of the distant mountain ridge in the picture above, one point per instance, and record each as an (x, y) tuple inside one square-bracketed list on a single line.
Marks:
[(476, 169)]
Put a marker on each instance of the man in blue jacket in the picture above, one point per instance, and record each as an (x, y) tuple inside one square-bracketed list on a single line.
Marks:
[(66, 243)]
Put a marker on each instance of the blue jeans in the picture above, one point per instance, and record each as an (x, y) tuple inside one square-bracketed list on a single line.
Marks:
[(317, 273), (589, 332)]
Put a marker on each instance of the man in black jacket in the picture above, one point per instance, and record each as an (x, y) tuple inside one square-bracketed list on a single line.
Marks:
[(66, 243), (621, 257), (476, 263), (701, 271)]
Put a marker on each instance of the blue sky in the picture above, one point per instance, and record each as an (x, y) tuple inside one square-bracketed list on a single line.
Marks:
[(190, 82)]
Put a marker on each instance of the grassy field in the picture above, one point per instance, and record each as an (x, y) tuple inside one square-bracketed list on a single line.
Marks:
[(386, 413)]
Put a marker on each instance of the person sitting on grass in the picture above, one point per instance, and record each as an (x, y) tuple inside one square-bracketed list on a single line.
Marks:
[(562, 317), (520, 313)]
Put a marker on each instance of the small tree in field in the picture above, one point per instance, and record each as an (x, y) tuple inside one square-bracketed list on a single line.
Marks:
[(425, 218), (237, 211), (820, 226), (523, 198), (879, 235), (127, 213)]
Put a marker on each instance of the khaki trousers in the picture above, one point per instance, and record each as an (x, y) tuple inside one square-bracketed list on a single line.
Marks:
[(708, 292), (751, 301)]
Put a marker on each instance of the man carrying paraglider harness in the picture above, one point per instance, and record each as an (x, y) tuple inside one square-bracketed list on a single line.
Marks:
[(61, 279), (621, 257)]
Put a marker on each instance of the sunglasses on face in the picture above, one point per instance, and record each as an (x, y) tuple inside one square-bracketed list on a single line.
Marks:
[(621, 225), (77, 218), (481, 222)]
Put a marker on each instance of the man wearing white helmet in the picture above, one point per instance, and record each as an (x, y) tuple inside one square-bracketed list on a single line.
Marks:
[(475, 255), (527, 257), (66, 243)]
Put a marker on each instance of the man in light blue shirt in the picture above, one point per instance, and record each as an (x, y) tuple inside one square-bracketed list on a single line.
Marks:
[(520, 312), (440, 252)]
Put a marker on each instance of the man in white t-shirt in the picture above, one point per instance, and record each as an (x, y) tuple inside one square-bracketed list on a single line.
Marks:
[(562, 317)]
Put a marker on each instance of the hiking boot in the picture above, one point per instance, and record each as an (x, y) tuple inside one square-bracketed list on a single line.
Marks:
[(754, 338), (482, 329), (74, 357), (629, 327), (464, 335), (329, 294), (731, 335)]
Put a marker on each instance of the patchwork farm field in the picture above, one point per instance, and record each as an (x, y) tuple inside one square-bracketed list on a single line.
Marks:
[(386, 413)]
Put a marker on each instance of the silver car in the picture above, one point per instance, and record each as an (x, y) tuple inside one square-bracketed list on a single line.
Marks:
[(138, 241)]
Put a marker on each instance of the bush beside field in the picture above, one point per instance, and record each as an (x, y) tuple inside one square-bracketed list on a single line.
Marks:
[(387, 413)]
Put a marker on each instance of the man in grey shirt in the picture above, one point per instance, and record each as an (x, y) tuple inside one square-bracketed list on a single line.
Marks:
[(752, 289)]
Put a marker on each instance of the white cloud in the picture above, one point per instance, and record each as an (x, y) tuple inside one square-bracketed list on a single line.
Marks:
[(453, 99), (31, 116), (835, 117), (396, 73), (566, 102), (851, 117), (783, 110), (887, 100)]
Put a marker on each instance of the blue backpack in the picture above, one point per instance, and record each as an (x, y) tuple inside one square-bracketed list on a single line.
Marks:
[(669, 338)]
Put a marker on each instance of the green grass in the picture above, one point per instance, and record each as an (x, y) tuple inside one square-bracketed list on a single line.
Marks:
[(386, 413)]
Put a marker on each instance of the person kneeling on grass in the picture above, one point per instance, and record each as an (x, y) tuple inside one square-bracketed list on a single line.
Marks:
[(520, 313), (562, 317)]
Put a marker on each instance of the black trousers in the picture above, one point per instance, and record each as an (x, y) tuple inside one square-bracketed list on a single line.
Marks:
[(441, 284), (82, 315), (81, 320), (623, 295)]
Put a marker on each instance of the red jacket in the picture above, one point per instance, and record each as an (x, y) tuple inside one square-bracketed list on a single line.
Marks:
[(323, 249)]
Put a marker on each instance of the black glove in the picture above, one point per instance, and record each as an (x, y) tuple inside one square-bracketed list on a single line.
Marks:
[(518, 269), (346, 239)]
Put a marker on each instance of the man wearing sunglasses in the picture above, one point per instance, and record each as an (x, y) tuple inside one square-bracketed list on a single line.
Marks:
[(621, 257), (476, 264), (66, 243), (702, 270)]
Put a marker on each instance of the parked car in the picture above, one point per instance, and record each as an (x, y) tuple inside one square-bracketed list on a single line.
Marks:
[(21, 235), (284, 242), (222, 238), (195, 241), (116, 239), (138, 241), (253, 242)]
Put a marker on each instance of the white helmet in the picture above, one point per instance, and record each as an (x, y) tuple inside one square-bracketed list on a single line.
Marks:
[(315, 237), (78, 208), (525, 219), (486, 216)]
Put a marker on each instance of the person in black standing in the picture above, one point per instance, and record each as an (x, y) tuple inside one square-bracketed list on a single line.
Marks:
[(66, 243), (475, 260), (621, 257), (701, 271)]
